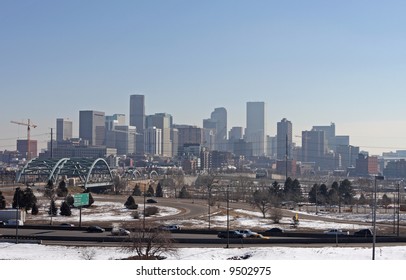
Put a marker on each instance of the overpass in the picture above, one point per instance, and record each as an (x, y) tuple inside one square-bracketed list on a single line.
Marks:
[(89, 172)]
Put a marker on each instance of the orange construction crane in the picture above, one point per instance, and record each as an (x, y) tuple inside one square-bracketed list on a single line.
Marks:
[(28, 125)]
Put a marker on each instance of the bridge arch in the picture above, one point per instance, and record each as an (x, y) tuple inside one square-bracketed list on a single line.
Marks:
[(90, 172)]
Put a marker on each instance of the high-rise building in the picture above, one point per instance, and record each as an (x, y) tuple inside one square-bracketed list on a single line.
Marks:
[(189, 135), (209, 127), (63, 129), (236, 133), (122, 138), (162, 121), (153, 141), (255, 131), (137, 119), (219, 118), (284, 140), (92, 127), (112, 121), (329, 134), (313, 146)]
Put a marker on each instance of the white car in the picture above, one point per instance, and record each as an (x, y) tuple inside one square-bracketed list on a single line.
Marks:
[(170, 227), (335, 231), (120, 231), (250, 234)]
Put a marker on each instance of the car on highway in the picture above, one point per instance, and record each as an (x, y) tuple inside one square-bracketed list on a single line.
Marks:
[(66, 225), (150, 200), (231, 234), (274, 230), (95, 229), (170, 227), (120, 231), (335, 231), (364, 232), (249, 233)]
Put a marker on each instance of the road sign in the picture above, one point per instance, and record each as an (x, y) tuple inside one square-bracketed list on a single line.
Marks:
[(81, 199)]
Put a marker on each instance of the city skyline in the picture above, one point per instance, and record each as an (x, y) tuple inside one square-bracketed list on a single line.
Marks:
[(313, 63)]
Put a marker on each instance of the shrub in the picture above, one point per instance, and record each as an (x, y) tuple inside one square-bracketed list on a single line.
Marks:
[(151, 210), (130, 203)]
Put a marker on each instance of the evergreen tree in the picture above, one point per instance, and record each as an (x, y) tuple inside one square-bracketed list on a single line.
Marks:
[(292, 190), (49, 189), (52, 211), (62, 190), (137, 191), (34, 209), (2, 201), (18, 198), (65, 209), (29, 199), (184, 193), (150, 191), (130, 203), (159, 191), (70, 200), (276, 193), (346, 192), (362, 200)]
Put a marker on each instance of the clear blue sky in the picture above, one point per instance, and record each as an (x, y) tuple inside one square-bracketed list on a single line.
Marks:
[(312, 62)]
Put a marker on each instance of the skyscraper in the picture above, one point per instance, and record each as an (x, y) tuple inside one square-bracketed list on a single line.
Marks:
[(284, 140), (153, 141), (313, 146), (137, 119), (219, 117), (256, 125), (63, 129), (92, 127), (329, 133), (162, 121)]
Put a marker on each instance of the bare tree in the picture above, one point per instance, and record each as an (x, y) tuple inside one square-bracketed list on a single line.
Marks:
[(150, 243), (119, 184), (276, 215), (262, 200)]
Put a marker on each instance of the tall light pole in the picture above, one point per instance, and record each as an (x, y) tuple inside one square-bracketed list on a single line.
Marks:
[(398, 211), (374, 216), (228, 218)]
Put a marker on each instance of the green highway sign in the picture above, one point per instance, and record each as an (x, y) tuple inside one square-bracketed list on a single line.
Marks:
[(81, 199)]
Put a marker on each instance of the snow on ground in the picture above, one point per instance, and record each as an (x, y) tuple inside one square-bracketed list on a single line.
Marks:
[(11, 251), (105, 211)]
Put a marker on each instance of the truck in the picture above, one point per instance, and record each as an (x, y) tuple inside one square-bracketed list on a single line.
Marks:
[(11, 214)]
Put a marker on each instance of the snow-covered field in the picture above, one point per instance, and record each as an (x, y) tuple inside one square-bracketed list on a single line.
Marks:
[(12, 251)]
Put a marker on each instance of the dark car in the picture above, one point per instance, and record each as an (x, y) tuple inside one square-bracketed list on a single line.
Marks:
[(363, 232), (274, 230), (151, 200), (95, 229), (231, 234)]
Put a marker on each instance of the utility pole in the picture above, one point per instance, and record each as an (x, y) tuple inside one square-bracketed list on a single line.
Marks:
[(286, 158)]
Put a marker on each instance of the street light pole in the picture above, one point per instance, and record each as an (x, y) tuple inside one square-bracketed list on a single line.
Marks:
[(374, 216), (398, 211), (228, 219)]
